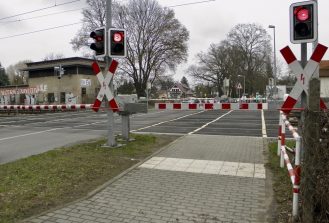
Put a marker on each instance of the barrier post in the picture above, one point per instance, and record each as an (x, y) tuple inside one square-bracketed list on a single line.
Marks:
[(283, 142), (279, 137), (296, 185)]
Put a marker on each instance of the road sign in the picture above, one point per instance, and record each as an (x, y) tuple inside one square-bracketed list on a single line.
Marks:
[(239, 86), (105, 89), (303, 75)]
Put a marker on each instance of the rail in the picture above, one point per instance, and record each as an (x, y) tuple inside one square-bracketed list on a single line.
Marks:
[(294, 172)]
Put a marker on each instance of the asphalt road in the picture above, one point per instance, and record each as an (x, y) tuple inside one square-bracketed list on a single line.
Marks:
[(25, 135)]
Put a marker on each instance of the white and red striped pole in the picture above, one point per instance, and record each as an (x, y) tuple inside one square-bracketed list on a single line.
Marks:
[(279, 135), (297, 172), (283, 143)]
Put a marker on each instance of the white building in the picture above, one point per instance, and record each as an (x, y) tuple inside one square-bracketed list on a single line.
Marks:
[(324, 77)]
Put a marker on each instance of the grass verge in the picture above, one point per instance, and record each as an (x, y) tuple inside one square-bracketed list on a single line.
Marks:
[(35, 184), (282, 186)]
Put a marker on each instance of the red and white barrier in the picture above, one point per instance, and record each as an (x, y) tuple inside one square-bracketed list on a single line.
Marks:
[(211, 106), (46, 107), (295, 172)]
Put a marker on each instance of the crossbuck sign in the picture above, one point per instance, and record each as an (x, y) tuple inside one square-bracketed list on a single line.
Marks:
[(303, 75), (105, 89)]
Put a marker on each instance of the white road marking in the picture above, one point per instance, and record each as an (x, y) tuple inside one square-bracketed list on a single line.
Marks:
[(263, 125), (205, 125), (237, 169), (28, 134), (166, 121), (160, 133), (48, 130)]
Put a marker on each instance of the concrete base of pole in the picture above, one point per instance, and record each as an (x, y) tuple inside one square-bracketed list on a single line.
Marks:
[(113, 147), (110, 124), (125, 127)]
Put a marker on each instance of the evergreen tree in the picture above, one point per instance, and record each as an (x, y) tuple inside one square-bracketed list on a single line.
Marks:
[(4, 81), (184, 81)]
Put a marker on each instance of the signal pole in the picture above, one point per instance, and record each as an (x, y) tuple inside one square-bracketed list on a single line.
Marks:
[(315, 43), (111, 142)]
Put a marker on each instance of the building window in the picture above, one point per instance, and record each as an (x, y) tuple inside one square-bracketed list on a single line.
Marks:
[(83, 91), (62, 99), (51, 97)]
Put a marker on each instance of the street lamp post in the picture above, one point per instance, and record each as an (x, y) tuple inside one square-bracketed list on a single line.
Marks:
[(274, 59), (148, 87), (244, 83)]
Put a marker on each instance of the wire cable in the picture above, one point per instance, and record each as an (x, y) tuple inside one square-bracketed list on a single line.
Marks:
[(40, 30), (57, 27), (191, 3), (34, 17), (37, 10)]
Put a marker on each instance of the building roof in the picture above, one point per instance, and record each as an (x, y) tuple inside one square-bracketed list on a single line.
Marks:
[(71, 61), (181, 87)]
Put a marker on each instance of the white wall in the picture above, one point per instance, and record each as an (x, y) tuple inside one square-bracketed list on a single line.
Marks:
[(324, 87)]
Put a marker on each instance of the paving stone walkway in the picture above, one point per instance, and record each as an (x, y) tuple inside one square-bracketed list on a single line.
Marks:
[(199, 179)]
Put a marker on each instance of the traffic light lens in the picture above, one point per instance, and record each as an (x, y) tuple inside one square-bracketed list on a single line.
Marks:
[(117, 40), (302, 29), (99, 44), (93, 35), (303, 14), (117, 37)]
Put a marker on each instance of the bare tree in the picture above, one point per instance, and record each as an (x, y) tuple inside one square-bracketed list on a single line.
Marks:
[(245, 52), (213, 66), (157, 41), (53, 56), (253, 43), (15, 74), (3, 76), (94, 16)]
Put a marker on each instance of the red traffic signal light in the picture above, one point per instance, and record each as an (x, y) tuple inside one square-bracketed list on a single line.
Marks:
[(118, 37), (99, 45), (303, 22), (302, 14), (117, 42)]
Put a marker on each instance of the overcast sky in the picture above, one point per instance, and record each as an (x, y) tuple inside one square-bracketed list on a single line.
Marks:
[(207, 23)]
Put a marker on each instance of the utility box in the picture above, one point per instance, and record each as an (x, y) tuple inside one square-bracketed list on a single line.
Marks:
[(133, 108), (126, 98), (128, 104)]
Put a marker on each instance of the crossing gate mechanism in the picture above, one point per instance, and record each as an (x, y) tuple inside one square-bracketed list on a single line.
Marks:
[(303, 75)]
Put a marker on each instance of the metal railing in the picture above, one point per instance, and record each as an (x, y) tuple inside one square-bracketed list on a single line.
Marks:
[(294, 172)]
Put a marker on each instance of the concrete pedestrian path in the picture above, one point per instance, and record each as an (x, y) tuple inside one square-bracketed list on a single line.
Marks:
[(198, 178)]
